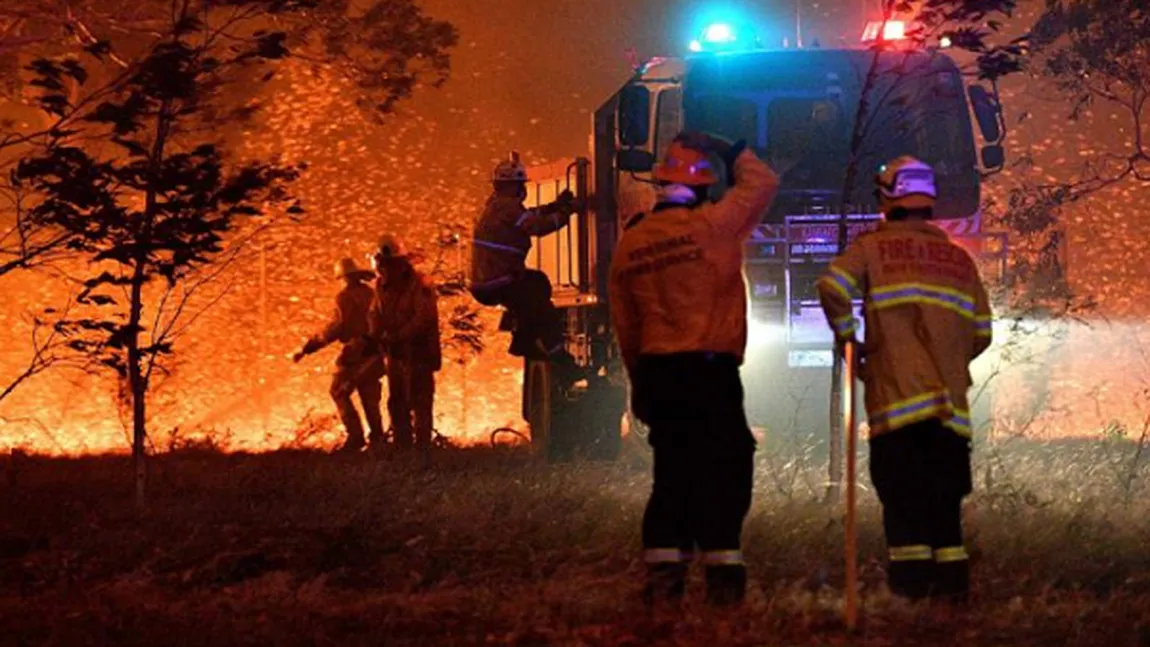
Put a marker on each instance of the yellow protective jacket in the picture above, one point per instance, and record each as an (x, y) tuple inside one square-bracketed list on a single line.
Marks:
[(502, 239), (405, 317), (926, 317), (676, 281), (348, 325)]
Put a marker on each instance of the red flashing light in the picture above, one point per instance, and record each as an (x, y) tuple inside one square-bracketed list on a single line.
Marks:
[(893, 30)]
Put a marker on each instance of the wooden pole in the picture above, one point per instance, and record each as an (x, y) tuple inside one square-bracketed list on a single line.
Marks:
[(848, 406), (835, 460)]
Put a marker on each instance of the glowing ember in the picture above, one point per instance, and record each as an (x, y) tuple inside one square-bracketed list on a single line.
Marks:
[(231, 382)]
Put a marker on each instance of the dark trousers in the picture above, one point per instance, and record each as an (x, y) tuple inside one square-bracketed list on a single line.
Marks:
[(370, 392), (411, 402), (704, 465), (922, 473), (537, 319)]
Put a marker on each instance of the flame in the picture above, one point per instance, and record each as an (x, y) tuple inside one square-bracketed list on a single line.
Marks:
[(64, 415)]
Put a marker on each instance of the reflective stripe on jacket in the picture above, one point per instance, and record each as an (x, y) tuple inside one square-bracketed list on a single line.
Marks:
[(927, 317), (676, 281), (502, 239)]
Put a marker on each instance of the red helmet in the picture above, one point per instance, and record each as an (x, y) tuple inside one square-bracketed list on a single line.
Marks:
[(687, 166)]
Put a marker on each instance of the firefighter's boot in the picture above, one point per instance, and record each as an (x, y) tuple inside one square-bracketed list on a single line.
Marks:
[(726, 585), (666, 585), (911, 579), (952, 582)]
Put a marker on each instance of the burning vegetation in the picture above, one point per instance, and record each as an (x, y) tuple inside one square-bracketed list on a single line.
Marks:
[(253, 532)]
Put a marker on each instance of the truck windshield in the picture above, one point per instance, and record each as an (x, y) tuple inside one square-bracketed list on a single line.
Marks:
[(798, 108)]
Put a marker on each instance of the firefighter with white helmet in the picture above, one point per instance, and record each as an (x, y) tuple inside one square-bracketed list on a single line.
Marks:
[(404, 322), (927, 316), (499, 275), (679, 308), (358, 368)]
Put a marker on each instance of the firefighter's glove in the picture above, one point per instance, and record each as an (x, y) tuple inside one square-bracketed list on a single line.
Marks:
[(860, 356), (566, 203), (310, 347), (713, 144)]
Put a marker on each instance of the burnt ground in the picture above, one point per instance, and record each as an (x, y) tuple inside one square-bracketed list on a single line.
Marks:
[(487, 547)]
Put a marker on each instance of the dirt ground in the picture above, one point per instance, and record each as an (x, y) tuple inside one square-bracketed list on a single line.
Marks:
[(489, 548)]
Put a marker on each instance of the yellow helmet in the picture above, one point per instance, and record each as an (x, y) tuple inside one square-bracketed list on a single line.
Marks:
[(346, 268), (906, 183)]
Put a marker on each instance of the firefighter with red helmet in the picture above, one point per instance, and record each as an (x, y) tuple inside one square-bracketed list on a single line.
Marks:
[(358, 368), (404, 321), (679, 309), (499, 275), (927, 317)]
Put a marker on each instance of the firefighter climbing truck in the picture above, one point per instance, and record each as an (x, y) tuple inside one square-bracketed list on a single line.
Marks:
[(797, 109)]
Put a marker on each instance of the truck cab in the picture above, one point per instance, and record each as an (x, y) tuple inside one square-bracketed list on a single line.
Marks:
[(796, 108)]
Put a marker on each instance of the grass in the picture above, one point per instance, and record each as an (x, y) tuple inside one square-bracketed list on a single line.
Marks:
[(299, 548)]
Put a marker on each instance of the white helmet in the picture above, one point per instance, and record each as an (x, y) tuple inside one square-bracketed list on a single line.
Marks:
[(908, 183), (510, 170)]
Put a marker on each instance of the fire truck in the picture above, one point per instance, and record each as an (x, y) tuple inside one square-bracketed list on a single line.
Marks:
[(797, 108)]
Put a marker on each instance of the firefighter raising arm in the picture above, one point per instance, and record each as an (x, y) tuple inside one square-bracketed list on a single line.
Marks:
[(753, 185)]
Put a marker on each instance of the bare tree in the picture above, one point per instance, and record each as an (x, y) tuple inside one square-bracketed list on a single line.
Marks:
[(1098, 51)]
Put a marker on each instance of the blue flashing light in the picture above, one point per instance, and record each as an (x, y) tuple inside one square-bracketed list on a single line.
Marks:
[(725, 36), (719, 33)]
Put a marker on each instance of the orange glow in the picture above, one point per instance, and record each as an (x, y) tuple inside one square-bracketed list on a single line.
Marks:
[(57, 416)]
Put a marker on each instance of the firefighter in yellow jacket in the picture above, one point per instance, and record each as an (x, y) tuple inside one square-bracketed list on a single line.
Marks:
[(358, 368), (679, 308), (927, 317), (404, 321)]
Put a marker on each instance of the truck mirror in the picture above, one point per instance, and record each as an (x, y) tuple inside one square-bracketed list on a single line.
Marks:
[(634, 115), (993, 157), (988, 112), (635, 160)]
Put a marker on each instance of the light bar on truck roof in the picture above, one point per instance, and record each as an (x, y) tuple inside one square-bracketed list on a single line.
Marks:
[(719, 32), (894, 30), (721, 36)]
